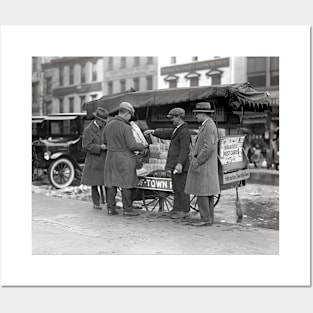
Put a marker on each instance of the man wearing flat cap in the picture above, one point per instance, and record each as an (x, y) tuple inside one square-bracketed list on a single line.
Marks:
[(93, 144), (177, 159), (202, 178), (120, 165)]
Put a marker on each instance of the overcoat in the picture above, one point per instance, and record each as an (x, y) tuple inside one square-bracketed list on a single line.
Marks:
[(179, 147), (202, 177), (94, 164), (120, 165)]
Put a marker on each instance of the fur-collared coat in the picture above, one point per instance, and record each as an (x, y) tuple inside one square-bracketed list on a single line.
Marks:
[(95, 158), (202, 178), (120, 165)]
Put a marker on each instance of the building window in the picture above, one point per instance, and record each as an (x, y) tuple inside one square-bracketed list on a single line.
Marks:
[(61, 76), (71, 101), (173, 83), (193, 79), (35, 93), (48, 86), (93, 97), (136, 83), (136, 61), (216, 79), (82, 101), (110, 88), (274, 71), (83, 73), (149, 82), (94, 72), (49, 107), (34, 64), (123, 62), (194, 59), (173, 60), (71, 75), (110, 63), (172, 80), (150, 60), (123, 85), (256, 69), (61, 104)]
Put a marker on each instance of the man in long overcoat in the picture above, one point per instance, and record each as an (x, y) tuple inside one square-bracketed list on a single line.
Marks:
[(202, 178), (120, 165), (93, 143), (177, 159)]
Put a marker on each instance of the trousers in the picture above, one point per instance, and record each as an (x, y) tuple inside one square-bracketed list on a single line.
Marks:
[(206, 207), (181, 199), (126, 198), (95, 195)]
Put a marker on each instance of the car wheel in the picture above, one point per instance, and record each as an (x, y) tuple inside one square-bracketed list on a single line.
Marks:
[(61, 173)]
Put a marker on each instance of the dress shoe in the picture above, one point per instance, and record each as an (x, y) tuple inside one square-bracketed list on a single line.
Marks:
[(168, 214), (179, 215), (130, 213), (97, 207), (112, 212), (202, 223)]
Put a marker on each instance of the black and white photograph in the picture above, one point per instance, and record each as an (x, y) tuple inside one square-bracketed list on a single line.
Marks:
[(147, 161), (155, 155)]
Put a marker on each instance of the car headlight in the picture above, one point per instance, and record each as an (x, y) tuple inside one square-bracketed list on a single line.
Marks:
[(46, 155)]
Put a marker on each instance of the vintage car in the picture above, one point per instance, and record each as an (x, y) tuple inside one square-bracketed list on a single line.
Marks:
[(58, 149)]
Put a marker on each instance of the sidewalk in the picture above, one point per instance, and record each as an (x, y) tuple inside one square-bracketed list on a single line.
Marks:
[(66, 226)]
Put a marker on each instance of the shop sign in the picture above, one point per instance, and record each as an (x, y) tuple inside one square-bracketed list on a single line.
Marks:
[(231, 149), (155, 183), (236, 176)]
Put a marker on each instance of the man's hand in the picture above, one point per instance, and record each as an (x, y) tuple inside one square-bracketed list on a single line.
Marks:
[(178, 168), (103, 147), (148, 132)]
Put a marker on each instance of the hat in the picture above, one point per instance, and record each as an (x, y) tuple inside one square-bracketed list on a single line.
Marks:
[(101, 114), (127, 106), (176, 112), (203, 107)]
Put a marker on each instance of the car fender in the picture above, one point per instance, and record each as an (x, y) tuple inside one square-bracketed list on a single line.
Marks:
[(58, 155)]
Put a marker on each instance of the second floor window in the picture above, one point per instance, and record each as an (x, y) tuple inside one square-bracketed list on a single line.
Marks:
[(93, 97), (110, 63), (149, 60), (49, 85), (136, 83), (71, 101), (123, 62), (35, 93), (256, 68), (82, 101), (123, 85), (83, 73), (94, 72), (61, 76), (136, 61), (274, 71), (61, 105), (71, 75), (149, 82), (110, 88), (216, 79)]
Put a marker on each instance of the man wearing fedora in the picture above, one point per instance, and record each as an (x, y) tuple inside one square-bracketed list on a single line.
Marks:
[(93, 143), (177, 160), (202, 178), (120, 165)]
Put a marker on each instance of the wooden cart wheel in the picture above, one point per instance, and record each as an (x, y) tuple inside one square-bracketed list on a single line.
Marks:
[(194, 202), (157, 200)]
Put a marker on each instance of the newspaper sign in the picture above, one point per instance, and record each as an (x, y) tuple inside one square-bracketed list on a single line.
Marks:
[(231, 149), (236, 176), (155, 183)]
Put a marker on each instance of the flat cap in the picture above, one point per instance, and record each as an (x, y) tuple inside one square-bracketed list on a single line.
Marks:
[(127, 106), (203, 107), (176, 112)]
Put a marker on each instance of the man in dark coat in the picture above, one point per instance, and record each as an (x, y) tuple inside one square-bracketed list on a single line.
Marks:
[(202, 178), (177, 159), (120, 165), (93, 143)]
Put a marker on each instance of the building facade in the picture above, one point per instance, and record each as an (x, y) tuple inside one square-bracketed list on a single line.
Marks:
[(123, 73), (71, 81), (37, 87)]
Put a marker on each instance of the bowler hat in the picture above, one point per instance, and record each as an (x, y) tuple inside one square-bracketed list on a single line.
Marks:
[(101, 114), (127, 106), (176, 112), (203, 107)]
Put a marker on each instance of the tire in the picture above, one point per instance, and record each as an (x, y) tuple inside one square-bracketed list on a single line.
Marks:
[(61, 173)]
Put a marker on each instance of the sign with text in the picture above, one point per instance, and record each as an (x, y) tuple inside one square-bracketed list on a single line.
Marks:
[(155, 183), (236, 176), (231, 149)]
